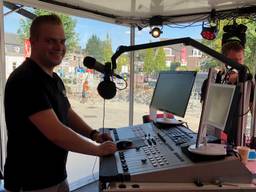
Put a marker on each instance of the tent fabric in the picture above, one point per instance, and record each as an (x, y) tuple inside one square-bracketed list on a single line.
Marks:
[(130, 12)]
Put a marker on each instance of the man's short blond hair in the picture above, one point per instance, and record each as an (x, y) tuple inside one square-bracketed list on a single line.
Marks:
[(43, 19), (231, 46)]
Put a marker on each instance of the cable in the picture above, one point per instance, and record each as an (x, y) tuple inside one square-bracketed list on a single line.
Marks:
[(237, 154), (103, 127), (103, 116), (93, 167), (189, 25), (126, 85), (250, 103), (185, 124)]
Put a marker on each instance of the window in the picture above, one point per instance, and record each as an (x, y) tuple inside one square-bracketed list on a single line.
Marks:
[(168, 51), (196, 53)]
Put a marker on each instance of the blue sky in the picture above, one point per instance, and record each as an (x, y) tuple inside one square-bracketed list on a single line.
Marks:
[(120, 35)]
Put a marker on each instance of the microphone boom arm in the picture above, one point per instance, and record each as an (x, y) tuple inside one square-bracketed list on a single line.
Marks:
[(187, 41)]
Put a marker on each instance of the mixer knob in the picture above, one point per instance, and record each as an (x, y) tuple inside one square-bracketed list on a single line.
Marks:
[(144, 161)]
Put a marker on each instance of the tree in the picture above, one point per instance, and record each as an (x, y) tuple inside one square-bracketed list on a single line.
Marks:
[(123, 60), (94, 48), (250, 51), (250, 46), (160, 59), (209, 63), (107, 49), (149, 61), (68, 23), (140, 55), (175, 65), (182, 68)]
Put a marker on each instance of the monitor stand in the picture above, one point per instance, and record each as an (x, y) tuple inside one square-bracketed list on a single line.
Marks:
[(166, 120), (209, 149)]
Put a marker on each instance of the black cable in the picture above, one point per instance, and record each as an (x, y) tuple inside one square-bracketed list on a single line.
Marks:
[(189, 25), (126, 85), (248, 110), (103, 115)]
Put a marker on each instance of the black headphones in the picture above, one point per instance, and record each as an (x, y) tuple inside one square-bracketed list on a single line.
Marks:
[(107, 88), (234, 32)]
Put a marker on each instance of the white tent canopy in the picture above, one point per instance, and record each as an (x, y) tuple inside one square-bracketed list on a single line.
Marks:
[(137, 12)]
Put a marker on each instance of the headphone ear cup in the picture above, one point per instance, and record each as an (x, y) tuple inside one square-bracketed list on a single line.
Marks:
[(107, 89)]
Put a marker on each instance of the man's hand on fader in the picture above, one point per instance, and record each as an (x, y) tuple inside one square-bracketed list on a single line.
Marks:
[(102, 137)]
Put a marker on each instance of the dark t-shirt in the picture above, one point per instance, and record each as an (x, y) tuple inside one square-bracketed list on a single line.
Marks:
[(33, 162)]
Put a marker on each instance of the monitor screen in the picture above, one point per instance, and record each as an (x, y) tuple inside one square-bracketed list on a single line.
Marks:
[(172, 91), (218, 105)]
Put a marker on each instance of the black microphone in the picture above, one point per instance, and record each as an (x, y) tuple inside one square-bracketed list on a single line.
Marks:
[(91, 63)]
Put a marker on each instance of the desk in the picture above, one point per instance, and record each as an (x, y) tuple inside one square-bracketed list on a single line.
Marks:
[(159, 164), (251, 165), (180, 187)]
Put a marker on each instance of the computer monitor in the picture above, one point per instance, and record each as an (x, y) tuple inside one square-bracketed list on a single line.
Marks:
[(217, 112), (172, 91), (218, 105)]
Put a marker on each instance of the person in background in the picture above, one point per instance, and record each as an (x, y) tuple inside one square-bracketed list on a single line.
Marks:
[(41, 124), (232, 50), (85, 91)]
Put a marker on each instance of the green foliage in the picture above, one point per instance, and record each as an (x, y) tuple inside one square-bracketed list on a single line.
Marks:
[(160, 60), (140, 55), (123, 60), (250, 51), (250, 46), (149, 61), (182, 68), (107, 49), (209, 63), (23, 31), (68, 23), (94, 48), (154, 60)]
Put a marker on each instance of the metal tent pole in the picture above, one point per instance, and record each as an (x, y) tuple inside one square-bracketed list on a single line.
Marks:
[(131, 79), (2, 85)]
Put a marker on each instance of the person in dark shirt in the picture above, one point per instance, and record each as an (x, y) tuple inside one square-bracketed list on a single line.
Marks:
[(41, 125), (232, 50)]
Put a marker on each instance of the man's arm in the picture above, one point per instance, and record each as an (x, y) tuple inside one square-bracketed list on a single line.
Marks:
[(48, 123)]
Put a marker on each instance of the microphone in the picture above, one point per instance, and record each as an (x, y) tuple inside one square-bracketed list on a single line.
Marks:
[(91, 63)]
